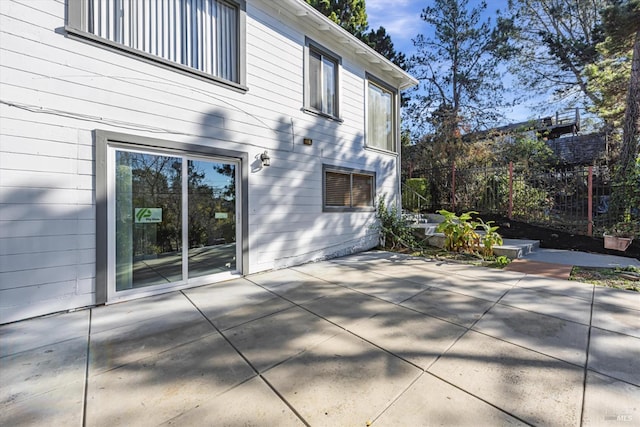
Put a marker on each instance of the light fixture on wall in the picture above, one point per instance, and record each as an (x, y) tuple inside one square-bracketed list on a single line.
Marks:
[(266, 160)]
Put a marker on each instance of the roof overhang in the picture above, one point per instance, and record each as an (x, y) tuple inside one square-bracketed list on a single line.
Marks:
[(300, 9)]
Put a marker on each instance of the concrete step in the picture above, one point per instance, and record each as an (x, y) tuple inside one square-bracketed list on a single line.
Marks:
[(425, 226), (516, 248), (511, 248), (428, 227)]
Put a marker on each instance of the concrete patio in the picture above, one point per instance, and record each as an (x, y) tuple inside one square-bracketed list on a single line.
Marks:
[(370, 338)]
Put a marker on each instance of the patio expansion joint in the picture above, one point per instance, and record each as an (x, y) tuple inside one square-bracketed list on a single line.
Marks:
[(347, 330), (422, 370), (586, 362), (444, 352), (472, 326), (255, 370), (459, 389)]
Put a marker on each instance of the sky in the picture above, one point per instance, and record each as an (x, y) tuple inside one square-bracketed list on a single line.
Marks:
[(401, 19)]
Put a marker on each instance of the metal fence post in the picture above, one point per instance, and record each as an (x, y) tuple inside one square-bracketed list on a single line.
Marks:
[(510, 213), (590, 205)]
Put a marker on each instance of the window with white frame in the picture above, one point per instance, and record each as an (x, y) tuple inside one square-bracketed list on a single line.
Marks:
[(381, 115), (321, 76), (203, 35), (348, 189)]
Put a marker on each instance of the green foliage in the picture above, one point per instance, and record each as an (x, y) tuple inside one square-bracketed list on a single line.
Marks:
[(419, 187), (489, 238), (381, 41), (530, 202), (461, 236), (458, 68), (556, 40), (459, 232), (349, 14), (500, 262), (625, 200), (394, 231), (529, 153), (609, 79), (625, 229)]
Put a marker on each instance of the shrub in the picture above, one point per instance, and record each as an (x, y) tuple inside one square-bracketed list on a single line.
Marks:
[(461, 236), (500, 262), (490, 238), (530, 202), (394, 231), (459, 231)]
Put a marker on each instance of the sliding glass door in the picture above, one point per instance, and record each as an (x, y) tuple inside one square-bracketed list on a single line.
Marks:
[(174, 219), (212, 217)]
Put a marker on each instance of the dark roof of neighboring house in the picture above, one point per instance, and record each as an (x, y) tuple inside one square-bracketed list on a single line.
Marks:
[(579, 149)]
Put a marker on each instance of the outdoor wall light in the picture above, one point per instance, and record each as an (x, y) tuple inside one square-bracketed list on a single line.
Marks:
[(266, 160)]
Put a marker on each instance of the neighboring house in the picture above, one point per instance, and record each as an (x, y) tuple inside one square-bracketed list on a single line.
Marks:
[(151, 145)]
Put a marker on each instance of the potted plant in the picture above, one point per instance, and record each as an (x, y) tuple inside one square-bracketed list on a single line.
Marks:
[(621, 234)]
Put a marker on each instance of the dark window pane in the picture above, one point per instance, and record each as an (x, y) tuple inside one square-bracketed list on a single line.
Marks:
[(362, 191), (337, 189)]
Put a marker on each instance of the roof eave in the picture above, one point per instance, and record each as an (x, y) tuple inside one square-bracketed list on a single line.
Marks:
[(303, 10)]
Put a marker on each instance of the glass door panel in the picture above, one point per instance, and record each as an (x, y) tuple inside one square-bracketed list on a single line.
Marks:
[(211, 217), (148, 220)]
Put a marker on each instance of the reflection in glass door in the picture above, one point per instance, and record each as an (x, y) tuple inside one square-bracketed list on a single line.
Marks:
[(171, 226), (212, 217)]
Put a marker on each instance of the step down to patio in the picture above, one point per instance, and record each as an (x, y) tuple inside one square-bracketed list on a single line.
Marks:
[(511, 248), (425, 228)]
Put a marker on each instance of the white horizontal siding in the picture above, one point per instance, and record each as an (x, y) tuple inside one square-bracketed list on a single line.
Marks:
[(61, 90), (42, 244)]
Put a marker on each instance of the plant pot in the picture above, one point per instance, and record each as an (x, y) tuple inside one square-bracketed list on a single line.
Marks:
[(617, 243)]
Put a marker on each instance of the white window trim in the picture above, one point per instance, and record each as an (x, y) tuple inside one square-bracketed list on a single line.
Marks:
[(76, 28), (370, 79), (350, 172), (310, 45)]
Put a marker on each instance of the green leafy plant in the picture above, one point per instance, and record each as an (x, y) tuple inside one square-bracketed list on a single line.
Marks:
[(500, 262), (489, 238), (461, 236), (459, 231), (394, 231), (630, 229)]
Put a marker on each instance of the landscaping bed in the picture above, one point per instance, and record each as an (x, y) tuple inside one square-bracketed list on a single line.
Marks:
[(620, 278), (553, 239)]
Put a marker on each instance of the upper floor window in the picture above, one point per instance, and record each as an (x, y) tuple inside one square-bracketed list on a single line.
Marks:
[(381, 115), (204, 35), (321, 95)]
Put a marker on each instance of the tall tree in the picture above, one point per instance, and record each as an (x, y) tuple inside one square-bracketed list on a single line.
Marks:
[(458, 69), (557, 40), (622, 27), (349, 14), (382, 43), (352, 16)]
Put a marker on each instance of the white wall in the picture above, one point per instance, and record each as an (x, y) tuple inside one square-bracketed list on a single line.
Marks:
[(56, 90)]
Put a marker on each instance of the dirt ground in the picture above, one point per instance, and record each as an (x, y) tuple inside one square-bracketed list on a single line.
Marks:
[(554, 239)]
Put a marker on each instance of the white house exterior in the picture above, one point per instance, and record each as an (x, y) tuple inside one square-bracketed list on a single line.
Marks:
[(131, 137)]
